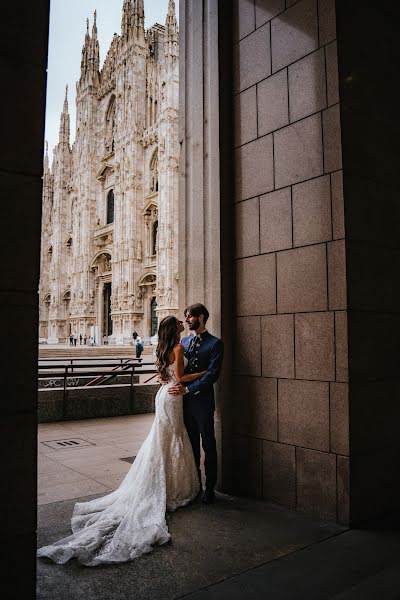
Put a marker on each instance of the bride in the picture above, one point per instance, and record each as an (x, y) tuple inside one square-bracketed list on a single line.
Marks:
[(129, 521)]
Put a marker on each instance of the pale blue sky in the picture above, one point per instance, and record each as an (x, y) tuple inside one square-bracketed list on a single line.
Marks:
[(67, 32)]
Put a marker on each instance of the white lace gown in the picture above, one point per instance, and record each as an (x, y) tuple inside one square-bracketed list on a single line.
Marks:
[(131, 520)]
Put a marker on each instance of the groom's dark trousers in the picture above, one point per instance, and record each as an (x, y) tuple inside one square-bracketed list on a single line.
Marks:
[(199, 403)]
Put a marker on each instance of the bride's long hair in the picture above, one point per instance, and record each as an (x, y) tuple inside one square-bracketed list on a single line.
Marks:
[(168, 337)]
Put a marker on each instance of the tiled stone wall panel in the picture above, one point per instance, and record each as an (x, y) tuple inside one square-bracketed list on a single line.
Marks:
[(267, 9), (316, 482), (339, 418), (279, 473), (332, 139), (303, 413), (252, 59), (272, 103), (294, 34), (247, 228), (337, 205), (341, 346), (278, 346), (245, 116), (337, 289), (312, 211), (276, 221), (343, 489), (255, 407), (247, 458), (301, 275), (332, 79), (298, 151), (315, 346), (248, 346), (290, 263), (243, 18), (256, 285), (327, 21), (307, 85), (254, 171)]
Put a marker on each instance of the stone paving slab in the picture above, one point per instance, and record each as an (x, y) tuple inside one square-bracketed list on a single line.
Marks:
[(356, 565), (72, 472), (209, 544)]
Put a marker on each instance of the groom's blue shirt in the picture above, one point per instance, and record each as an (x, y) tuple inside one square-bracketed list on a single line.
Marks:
[(209, 357)]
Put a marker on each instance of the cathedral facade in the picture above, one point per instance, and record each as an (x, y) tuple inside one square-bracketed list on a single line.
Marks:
[(109, 261)]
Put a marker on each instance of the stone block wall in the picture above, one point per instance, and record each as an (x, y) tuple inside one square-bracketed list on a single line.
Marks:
[(290, 401), (95, 402)]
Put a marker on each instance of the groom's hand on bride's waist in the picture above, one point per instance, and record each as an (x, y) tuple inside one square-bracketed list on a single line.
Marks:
[(178, 389)]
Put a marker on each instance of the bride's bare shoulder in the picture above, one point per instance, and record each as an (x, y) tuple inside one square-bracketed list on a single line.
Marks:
[(179, 349)]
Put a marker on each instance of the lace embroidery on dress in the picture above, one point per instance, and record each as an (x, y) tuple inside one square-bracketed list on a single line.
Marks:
[(131, 520)]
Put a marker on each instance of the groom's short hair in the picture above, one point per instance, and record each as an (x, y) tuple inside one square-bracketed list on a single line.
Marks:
[(195, 310)]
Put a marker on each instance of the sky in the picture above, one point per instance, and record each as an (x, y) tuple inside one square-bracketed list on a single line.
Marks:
[(67, 32)]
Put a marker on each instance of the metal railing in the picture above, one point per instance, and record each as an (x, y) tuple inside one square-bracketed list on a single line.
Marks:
[(134, 367)]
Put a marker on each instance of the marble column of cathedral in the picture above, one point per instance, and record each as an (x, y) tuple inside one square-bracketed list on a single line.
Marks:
[(167, 255)]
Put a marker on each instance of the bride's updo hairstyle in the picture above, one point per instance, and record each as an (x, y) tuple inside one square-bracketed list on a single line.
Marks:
[(168, 337)]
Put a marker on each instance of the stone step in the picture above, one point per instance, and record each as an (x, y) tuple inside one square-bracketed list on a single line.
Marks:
[(91, 351)]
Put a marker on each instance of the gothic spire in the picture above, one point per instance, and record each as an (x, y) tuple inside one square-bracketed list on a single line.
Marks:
[(137, 21), (126, 18), (90, 62), (94, 55), (64, 121), (171, 33), (46, 159)]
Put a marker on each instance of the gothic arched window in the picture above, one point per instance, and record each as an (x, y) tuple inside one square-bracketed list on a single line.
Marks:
[(110, 207), (154, 238)]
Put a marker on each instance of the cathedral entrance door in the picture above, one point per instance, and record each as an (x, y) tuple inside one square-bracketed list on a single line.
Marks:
[(107, 321), (153, 317)]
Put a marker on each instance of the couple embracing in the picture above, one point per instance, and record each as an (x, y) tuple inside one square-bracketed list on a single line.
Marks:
[(166, 473)]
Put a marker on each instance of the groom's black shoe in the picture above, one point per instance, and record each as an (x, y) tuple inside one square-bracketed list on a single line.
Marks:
[(209, 497)]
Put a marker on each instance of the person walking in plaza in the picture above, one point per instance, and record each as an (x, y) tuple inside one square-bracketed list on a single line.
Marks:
[(135, 335), (80, 339), (131, 520), (204, 352), (84, 340), (139, 348), (71, 339)]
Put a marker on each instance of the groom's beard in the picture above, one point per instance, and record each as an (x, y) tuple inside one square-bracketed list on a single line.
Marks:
[(195, 325)]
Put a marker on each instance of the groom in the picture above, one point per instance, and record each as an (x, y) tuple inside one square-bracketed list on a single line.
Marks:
[(204, 352)]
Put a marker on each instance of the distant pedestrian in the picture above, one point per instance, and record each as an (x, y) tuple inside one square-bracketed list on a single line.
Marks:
[(139, 348), (105, 340), (80, 339), (84, 339), (71, 339), (75, 338), (135, 335)]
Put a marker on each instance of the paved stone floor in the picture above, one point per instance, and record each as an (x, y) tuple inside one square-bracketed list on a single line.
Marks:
[(95, 468), (236, 548)]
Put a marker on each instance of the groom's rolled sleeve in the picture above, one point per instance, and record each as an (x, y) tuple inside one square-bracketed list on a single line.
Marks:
[(213, 370)]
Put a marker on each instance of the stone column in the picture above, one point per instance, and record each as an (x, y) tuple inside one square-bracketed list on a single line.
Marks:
[(202, 271), (23, 51)]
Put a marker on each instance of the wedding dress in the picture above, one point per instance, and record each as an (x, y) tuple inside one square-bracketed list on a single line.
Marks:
[(131, 520)]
